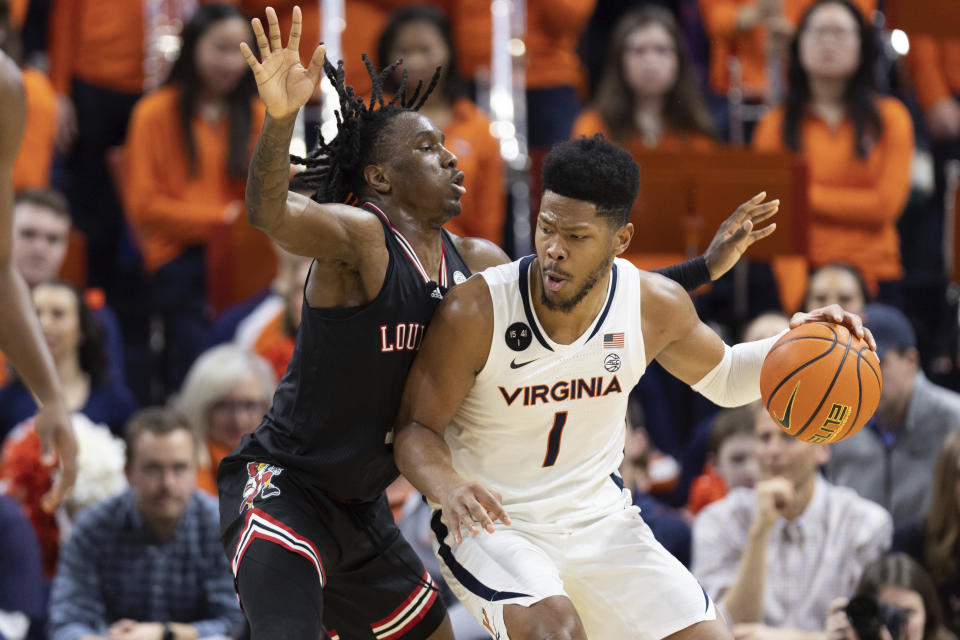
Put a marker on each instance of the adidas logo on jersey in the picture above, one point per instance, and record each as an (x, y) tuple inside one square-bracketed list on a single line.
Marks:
[(562, 390)]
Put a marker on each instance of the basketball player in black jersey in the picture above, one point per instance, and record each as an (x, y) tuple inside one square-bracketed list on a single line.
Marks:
[(306, 525)]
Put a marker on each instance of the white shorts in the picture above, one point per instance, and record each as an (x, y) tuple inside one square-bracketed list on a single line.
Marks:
[(623, 583)]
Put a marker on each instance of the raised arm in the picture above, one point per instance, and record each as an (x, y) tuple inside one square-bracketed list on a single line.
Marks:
[(20, 338), (454, 350), (296, 223)]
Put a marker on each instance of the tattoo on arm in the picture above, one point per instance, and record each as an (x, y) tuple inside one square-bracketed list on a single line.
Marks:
[(269, 176)]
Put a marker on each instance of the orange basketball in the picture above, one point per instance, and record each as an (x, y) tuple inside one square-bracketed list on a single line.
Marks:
[(820, 382)]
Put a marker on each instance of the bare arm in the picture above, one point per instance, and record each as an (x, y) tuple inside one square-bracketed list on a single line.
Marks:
[(454, 350), (20, 336), (296, 223), (480, 254)]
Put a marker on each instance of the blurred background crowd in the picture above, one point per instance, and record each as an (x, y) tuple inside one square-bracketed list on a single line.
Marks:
[(170, 319)]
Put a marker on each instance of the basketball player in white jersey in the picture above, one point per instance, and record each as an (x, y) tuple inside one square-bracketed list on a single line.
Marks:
[(514, 412)]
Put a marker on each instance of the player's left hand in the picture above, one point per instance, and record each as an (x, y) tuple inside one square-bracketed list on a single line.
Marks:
[(55, 430), (834, 313), (738, 232)]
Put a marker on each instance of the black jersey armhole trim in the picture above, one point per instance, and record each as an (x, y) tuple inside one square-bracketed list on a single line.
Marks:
[(525, 296), (345, 313)]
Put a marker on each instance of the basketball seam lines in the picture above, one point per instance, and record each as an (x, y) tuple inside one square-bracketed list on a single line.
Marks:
[(829, 389), (805, 364)]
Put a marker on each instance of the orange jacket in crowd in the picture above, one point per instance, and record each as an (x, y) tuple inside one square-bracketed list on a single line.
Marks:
[(935, 66), (98, 42), (706, 488), (274, 345), (207, 474), (478, 156), (169, 209), (590, 122), (553, 32), (720, 22), (32, 168), (18, 12), (854, 202)]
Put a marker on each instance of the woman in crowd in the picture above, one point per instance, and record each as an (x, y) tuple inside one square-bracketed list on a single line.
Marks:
[(858, 145), (836, 283), (897, 581), (224, 396), (187, 153), (934, 541), (421, 36), (74, 339), (648, 97)]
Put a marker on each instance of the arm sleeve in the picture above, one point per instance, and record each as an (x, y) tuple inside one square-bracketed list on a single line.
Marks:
[(75, 606), (926, 67), (883, 201), (151, 204), (689, 275), (735, 381)]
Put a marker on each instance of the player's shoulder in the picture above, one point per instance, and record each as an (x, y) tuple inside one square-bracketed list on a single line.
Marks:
[(479, 254), (661, 291)]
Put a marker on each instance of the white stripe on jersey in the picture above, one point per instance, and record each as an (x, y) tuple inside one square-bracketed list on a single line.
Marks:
[(544, 425)]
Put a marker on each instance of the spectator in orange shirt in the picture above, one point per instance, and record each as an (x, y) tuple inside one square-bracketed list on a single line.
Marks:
[(420, 35), (730, 458), (32, 168), (858, 146), (187, 155), (224, 396), (648, 96), (276, 341)]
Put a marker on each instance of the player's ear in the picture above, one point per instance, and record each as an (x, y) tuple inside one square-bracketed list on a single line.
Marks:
[(376, 178), (622, 238)]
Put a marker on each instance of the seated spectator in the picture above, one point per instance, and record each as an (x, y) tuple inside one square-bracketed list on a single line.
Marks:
[(76, 345), (224, 396), (32, 168), (41, 231), (420, 35), (858, 146), (731, 462), (648, 97), (836, 283), (22, 597), (775, 556), (27, 475), (187, 153), (889, 460), (934, 539), (277, 338), (899, 582), (148, 562)]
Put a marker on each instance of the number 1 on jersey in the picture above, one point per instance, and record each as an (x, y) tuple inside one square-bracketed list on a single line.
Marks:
[(553, 440)]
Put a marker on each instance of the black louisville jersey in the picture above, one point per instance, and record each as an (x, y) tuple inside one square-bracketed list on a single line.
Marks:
[(335, 407)]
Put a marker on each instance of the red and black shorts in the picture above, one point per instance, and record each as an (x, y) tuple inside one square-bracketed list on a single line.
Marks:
[(296, 552)]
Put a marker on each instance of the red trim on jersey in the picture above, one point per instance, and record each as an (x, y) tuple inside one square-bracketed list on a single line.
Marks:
[(260, 525), (408, 248), (409, 613)]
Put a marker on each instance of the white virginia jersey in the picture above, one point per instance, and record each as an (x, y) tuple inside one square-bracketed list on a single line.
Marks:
[(544, 424)]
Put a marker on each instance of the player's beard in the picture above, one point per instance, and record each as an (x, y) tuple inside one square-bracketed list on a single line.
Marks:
[(568, 305)]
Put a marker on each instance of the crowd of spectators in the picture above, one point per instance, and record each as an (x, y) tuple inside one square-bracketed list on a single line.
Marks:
[(152, 289)]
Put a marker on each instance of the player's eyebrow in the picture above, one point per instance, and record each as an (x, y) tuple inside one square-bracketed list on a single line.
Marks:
[(431, 133)]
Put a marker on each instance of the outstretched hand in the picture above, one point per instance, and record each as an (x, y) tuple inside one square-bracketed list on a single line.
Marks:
[(834, 313), (55, 430), (283, 82), (739, 232)]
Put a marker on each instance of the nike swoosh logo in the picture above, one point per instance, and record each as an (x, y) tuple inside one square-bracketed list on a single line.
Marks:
[(784, 420), (516, 365)]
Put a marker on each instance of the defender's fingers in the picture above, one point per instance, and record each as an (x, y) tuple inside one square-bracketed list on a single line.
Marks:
[(250, 58), (315, 70), (273, 27), (493, 504), (480, 517), (760, 234), (262, 43), (293, 42)]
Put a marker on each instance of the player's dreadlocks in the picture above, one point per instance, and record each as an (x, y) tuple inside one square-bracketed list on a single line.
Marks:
[(335, 169)]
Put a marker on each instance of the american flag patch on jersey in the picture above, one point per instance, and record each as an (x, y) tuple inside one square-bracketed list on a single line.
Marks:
[(613, 340)]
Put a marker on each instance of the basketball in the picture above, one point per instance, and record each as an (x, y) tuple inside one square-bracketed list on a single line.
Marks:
[(820, 383)]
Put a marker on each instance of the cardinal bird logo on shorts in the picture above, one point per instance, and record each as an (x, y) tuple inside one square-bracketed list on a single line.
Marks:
[(258, 485)]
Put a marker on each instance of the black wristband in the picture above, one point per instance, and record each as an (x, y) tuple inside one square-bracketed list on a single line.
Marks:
[(167, 632), (689, 275)]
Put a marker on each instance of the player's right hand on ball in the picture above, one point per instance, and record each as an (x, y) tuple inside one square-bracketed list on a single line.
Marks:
[(774, 497), (473, 506), (283, 82)]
